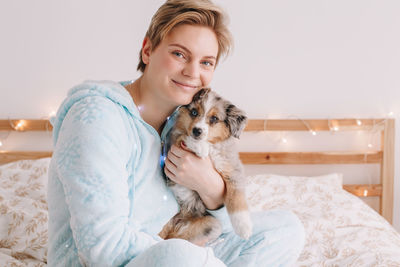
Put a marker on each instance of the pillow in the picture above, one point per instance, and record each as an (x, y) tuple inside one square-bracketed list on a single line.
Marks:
[(23, 208), (269, 191)]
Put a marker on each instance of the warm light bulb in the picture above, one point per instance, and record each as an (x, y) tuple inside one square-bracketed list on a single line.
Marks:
[(52, 113), (1, 144), (365, 192), (359, 122), (19, 125), (313, 132), (284, 140), (336, 128), (369, 145)]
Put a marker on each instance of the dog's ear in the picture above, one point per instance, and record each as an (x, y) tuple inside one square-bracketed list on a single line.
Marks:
[(235, 119), (201, 94)]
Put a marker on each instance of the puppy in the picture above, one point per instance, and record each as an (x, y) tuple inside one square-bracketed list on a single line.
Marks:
[(208, 126)]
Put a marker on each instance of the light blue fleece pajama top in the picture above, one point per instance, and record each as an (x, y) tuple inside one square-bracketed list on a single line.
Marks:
[(108, 200), (107, 197)]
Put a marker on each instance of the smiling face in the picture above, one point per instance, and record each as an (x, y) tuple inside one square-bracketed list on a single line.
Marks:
[(181, 64)]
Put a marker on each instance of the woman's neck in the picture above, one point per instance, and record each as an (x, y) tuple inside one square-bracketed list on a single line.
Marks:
[(151, 107)]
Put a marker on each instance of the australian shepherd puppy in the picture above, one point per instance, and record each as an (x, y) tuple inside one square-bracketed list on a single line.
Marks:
[(208, 126)]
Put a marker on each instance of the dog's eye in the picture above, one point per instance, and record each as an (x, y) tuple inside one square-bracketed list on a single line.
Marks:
[(213, 119), (194, 112)]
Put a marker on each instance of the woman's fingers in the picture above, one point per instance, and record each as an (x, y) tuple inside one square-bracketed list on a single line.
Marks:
[(170, 168), (173, 158), (177, 151), (169, 174)]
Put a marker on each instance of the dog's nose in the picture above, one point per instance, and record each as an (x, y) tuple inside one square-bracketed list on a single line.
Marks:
[(197, 132)]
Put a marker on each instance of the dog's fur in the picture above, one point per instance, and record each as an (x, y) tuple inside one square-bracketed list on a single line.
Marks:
[(207, 126)]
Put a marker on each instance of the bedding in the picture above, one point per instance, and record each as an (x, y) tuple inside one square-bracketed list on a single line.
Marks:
[(23, 213), (341, 229)]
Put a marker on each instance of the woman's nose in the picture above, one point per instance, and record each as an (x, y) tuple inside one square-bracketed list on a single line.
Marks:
[(191, 70)]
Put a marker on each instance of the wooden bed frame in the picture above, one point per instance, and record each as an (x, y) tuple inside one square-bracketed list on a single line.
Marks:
[(384, 156)]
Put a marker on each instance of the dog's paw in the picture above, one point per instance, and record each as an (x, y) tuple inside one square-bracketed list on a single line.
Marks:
[(242, 224), (203, 150), (200, 148)]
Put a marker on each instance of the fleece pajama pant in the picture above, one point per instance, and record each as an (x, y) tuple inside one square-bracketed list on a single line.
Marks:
[(277, 240)]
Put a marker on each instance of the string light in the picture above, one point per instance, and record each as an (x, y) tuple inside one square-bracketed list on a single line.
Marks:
[(365, 192), (20, 125), (335, 128), (313, 132), (376, 127), (4, 138)]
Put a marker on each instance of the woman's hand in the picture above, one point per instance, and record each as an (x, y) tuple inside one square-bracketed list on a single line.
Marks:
[(185, 168)]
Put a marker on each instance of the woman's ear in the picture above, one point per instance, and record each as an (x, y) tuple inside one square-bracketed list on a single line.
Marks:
[(146, 50)]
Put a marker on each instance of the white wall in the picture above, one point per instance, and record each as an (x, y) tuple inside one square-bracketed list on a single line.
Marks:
[(310, 59)]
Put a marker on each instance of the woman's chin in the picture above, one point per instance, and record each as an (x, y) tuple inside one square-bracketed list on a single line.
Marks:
[(184, 98), (184, 101)]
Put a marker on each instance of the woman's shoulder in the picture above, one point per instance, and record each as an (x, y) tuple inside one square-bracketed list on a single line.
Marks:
[(100, 102), (98, 92), (106, 88)]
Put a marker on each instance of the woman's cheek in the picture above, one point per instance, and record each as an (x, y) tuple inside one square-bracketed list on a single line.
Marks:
[(169, 63), (207, 77)]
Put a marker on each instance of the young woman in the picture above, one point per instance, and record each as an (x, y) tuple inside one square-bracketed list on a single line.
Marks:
[(107, 196)]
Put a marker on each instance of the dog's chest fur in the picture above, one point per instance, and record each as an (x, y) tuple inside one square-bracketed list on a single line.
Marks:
[(225, 161)]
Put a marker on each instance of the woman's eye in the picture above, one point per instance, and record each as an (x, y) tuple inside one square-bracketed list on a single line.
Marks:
[(178, 54), (207, 63), (194, 112), (213, 119)]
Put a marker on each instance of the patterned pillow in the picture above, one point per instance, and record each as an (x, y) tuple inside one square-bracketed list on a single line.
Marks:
[(23, 209), (270, 191)]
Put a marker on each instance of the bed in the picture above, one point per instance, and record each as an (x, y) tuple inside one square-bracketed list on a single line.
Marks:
[(341, 229)]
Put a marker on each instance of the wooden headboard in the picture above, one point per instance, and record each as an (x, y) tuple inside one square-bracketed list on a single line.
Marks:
[(384, 157)]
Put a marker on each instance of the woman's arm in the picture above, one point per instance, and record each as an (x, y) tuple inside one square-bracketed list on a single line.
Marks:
[(91, 155), (213, 194)]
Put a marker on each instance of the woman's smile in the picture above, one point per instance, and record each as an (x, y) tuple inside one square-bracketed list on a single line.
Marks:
[(185, 86)]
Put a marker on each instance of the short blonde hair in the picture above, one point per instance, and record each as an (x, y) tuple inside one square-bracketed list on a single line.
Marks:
[(193, 12)]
